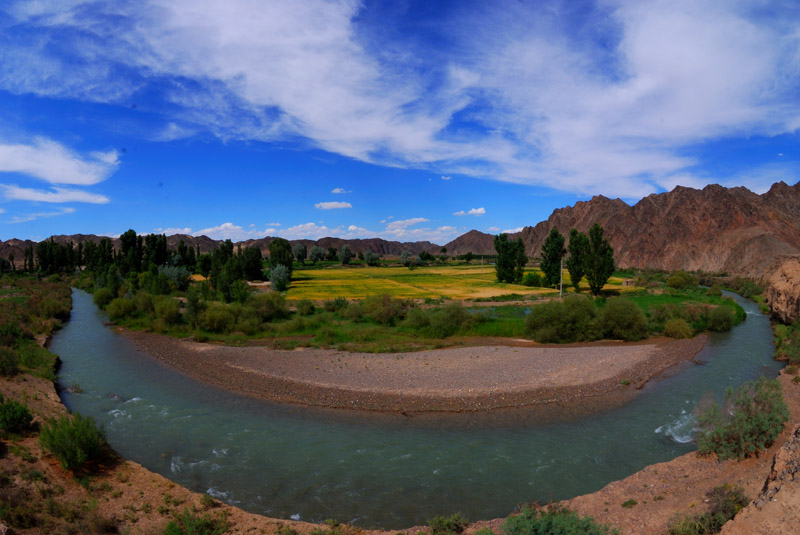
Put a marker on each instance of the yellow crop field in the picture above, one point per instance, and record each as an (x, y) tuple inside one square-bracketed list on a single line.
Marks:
[(450, 282)]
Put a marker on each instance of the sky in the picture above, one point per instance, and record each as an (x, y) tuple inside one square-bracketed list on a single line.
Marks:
[(404, 120)]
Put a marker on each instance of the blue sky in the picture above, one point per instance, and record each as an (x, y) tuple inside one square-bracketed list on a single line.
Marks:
[(408, 121)]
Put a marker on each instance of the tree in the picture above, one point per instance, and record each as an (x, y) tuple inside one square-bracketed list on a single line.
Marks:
[(300, 252), (333, 254), (578, 253), (407, 259), (552, 252), (280, 254), (511, 259), (250, 259), (279, 278), (317, 254), (371, 258), (11, 261), (600, 260), (345, 254)]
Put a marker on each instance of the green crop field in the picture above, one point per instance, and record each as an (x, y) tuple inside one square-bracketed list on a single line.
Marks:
[(458, 282)]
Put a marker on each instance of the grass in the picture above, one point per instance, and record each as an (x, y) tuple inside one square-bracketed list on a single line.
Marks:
[(458, 282)]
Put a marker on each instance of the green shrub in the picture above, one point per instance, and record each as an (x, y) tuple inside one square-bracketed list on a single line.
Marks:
[(144, 303), (448, 525), (622, 319), (190, 523), (248, 321), (305, 307), (269, 305), (353, 312), (74, 441), (553, 520), (720, 319), (102, 297), (724, 502), (417, 319), (681, 279), (532, 279), (9, 362), (168, 310), (240, 291), (571, 320), (14, 417), (382, 308), (753, 417), (120, 308), (449, 319), (678, 328), (217, 318), (715, 290)]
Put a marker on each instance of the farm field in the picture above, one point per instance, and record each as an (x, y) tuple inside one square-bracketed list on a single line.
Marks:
[(454, 282)]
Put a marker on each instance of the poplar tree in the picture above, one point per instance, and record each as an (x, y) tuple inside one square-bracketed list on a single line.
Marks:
[(552, 252), (578, 254), (600, 261)]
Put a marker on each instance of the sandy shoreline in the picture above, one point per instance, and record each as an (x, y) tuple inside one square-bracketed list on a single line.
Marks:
[(461, 379)]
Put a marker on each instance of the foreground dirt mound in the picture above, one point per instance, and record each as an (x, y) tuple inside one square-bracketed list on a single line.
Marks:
[(782, 292)]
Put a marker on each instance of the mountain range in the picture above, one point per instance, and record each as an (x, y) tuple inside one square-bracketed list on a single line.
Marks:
[(714, 229)]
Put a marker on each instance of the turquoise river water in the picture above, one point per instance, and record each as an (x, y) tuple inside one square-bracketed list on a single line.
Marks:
[(383, 471)]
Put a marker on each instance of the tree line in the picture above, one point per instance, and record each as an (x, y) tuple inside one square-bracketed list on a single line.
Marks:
[(590, 256)]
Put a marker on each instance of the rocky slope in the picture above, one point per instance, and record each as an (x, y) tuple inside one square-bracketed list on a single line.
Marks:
[(714, 229), (782, 289)]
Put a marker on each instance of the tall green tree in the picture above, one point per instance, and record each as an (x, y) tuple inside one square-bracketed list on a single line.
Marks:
[(317, 254), (345, 254), (552, 252), (280, 254), (511, 259), (578, 253), (600, 260), (300, 252)]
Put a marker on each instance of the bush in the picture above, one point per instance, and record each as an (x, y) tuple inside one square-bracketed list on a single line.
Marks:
[(332, 305), (532, 279), (168, 310), (190, 523), (417, 319), (9, 362), (14, 417), (353, 312), (269, 305), (725, 501), (371, 258), (279, 278), (622, 319), (217, 318), (448, 320), (120, 308), (678, 328), (448, 525), (571, 320), (553, 520), (382, 308), (305, 307), (753, 417), (144, 303), (680, 280), (178, 276), (240, 291), (102, 297), (74, 441), (720, 319)]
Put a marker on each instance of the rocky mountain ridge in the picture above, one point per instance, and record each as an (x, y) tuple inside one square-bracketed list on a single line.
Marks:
[(714, 229)]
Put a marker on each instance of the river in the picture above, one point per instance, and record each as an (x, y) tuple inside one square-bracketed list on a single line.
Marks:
[(390, 473)]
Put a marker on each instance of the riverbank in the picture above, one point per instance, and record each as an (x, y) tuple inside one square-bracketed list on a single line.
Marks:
[(462, 379)]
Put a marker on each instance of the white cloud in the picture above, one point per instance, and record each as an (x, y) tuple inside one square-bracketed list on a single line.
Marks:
[(512, 230), (50, 161), (56, 195), (493, 229), (340, 191), (229, 231), (41, 215), (2, 211), (608, 109), (172, 132), (473, 211), (446, 177), (405, 223), (310, 231), (171, 231), (273, 224), (332, 205)]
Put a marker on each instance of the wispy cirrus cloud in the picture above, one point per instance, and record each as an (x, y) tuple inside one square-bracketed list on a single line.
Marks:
[(54, 195), (605, 99), (52, 162), (26, 218), (340, 191), (332, 205)]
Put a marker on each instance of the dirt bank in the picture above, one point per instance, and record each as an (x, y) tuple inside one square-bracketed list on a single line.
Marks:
[(444, 380)]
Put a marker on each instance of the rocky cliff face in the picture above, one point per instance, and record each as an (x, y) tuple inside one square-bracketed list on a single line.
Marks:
[(714, 229), (782, 292)]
